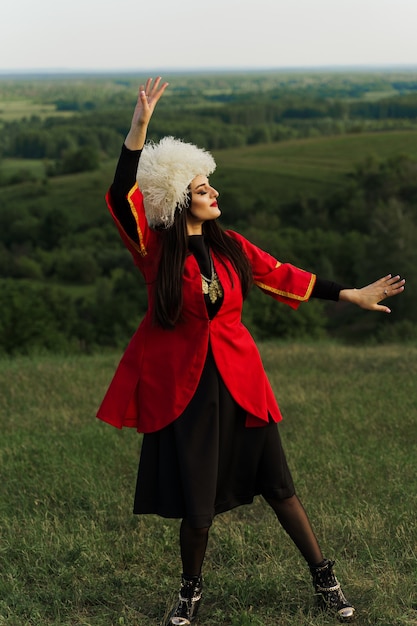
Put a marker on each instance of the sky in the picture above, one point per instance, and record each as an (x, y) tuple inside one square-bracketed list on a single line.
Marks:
[(140, 35)]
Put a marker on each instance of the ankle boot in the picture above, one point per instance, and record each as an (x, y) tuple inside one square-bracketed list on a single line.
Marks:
[(189, 600), (329, 592)]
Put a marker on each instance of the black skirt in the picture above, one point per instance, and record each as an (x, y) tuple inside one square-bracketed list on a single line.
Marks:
[(207, 462)]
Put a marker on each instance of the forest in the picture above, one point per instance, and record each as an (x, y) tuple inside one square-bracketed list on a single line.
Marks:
[(318, 168)]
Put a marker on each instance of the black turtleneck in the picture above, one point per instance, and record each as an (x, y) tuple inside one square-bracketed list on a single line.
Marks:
[(198, 246)]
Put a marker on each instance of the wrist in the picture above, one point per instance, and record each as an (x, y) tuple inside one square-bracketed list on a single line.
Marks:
[(136, 137), (348, 295)]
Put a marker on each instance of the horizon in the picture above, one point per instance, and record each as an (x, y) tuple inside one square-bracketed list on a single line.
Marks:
[(59, 71)]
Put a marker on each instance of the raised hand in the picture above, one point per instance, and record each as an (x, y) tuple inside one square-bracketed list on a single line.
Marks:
[(147, 100), (149, 95), (370, 296)]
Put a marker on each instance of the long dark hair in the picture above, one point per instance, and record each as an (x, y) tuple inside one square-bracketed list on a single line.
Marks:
[(168, 285)]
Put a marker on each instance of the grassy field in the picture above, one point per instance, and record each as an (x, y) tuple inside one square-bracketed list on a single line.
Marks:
[(72, 554), (35, 166), (16, 109), (290, 169)]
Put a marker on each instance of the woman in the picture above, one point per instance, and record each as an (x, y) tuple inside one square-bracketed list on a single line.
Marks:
[(191, 378)]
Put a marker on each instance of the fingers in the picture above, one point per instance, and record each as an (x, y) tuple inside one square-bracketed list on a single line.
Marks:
[(149, 88), (155, 86), (382, 308), (149, 94), (392, 286), (394, 280), (154, 91), (158, 90)]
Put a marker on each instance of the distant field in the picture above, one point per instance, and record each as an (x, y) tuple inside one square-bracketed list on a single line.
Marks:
[(309, 166), (11, 110), (322, 154), (72, 553), (35, 166)]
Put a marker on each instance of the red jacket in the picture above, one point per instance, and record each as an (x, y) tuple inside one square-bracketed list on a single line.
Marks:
[(160, 369)]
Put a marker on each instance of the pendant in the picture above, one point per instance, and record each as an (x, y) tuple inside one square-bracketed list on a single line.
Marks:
[(212, 287)]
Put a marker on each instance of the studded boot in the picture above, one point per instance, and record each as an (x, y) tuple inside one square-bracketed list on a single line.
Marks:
[(189, 600), (329, 593)]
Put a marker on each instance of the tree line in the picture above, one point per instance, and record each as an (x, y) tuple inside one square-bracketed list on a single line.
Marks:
[(81, 142)]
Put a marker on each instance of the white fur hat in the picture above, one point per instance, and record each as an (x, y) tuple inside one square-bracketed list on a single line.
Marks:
[(164, 173)]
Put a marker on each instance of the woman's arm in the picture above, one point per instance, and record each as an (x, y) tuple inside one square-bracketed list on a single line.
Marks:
[(127, 166), (125, 175), (124, 180)]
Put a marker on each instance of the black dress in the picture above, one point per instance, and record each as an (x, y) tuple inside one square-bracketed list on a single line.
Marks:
[(207, 461)]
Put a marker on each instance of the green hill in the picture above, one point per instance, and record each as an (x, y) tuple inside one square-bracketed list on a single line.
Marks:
[(290, 169)]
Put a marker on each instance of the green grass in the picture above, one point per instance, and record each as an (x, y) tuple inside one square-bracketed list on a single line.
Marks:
[(72, 554)]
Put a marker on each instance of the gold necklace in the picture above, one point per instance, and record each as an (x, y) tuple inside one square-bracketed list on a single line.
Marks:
[(211, 286)]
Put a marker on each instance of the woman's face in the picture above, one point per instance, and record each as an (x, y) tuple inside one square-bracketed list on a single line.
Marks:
[(203, 205)]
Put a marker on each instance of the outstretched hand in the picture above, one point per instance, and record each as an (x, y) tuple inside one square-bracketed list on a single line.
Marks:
[(370, 296), (147, 100), (149, 95)]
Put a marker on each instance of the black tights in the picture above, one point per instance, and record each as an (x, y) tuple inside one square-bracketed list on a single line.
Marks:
[(193, 542), (294, 520), (292, 517)]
